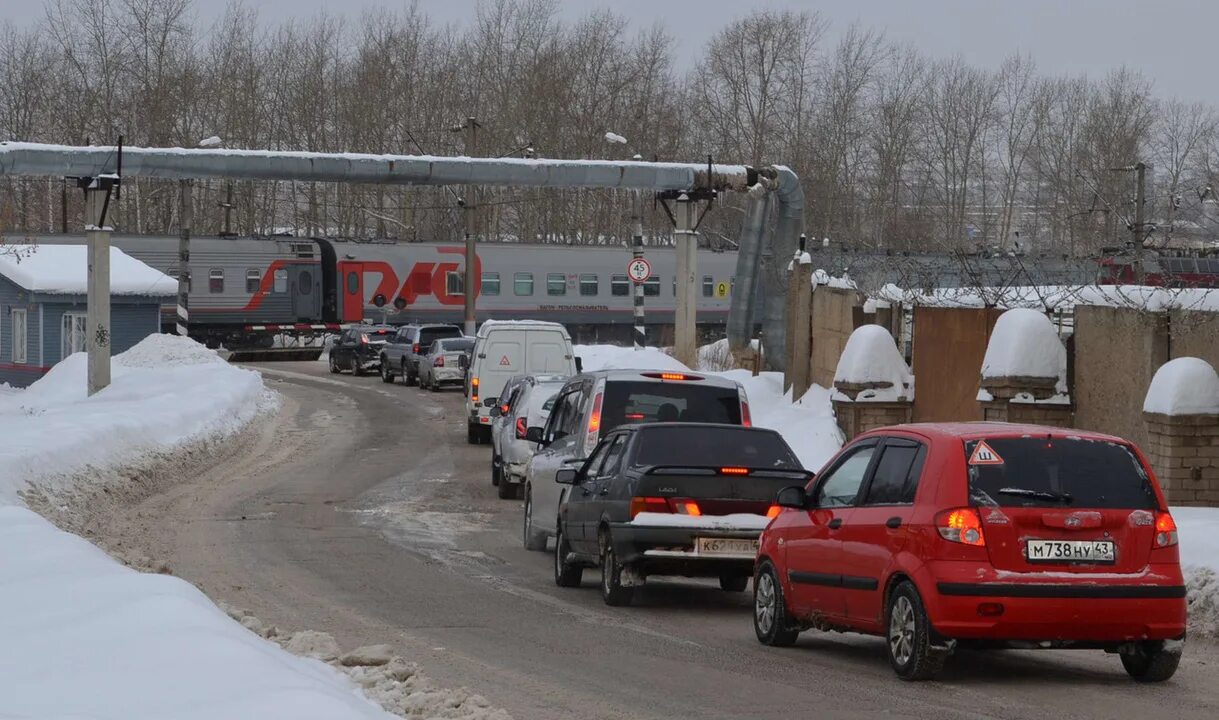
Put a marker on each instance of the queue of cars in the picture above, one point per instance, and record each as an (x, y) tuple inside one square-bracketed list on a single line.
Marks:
[(932, 536)]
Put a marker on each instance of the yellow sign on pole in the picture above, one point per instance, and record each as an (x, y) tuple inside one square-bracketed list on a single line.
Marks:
[(721, 290)]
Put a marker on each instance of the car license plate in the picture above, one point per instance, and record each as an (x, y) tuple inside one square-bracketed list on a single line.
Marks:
[(1070, 551), (726, 546)]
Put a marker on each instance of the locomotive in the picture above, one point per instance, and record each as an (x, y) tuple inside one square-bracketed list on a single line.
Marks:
[(261, 292)]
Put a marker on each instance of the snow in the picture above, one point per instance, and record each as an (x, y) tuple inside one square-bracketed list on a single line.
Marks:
[(1185, 386), (63, 270), (613, 357), (735, 521), (166, 391), (135, 646), (801, 258), (871, 356), (1198, 534), (844, 282), (1025, 343)]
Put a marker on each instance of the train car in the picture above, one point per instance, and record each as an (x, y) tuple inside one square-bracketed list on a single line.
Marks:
[(256, 293), (1162, 270)]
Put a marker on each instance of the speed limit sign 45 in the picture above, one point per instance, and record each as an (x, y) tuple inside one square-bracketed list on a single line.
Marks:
[(639, 270)]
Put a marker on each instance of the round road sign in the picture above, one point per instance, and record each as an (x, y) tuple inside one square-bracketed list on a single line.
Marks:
[(639, 270)]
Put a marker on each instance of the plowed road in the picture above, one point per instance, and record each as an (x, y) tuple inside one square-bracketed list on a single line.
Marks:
[(360, 510)]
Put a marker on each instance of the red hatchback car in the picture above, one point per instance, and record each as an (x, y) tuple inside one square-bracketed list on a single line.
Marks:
[(980, 535)]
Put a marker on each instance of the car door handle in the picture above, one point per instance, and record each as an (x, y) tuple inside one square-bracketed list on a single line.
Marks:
[(893, 523), (604, 491), (835, 523)]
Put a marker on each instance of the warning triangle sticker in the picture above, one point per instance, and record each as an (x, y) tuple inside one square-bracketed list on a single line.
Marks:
[(504, 360), (984, 455)]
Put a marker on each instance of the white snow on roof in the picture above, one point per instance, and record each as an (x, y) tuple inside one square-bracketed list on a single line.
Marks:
[(871, 356), (1024, 343), (1185, 386), (488, 325), (64, 270)]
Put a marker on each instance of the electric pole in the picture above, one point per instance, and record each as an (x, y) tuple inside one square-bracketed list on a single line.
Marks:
[(185, 220), (1140, 194), (469, 221)]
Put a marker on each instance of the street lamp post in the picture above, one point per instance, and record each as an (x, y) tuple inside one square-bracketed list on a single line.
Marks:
[(639, 335)]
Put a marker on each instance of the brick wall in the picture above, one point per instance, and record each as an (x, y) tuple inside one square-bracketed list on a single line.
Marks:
[(1184, 453), (856, 418)]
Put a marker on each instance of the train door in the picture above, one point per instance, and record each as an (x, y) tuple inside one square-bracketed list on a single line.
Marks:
[(352, 291), (306, 293)]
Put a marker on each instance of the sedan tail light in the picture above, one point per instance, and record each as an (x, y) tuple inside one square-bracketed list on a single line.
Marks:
[(415, 348), (961, 525), (522, 429), (649, 504), (439, 362)]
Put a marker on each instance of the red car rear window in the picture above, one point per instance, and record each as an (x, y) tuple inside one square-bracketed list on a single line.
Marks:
[(1057, 472)]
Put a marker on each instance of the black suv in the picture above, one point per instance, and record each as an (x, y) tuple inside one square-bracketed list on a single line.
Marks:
[(687, 499), (358, 348), (400, 356)]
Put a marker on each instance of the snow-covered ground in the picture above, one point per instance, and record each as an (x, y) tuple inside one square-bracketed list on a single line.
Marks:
[(87, 637), (1198, 533)]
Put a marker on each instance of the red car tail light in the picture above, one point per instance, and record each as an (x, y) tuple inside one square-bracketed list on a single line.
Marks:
[(649, 504), (670, 376), (439, 362), (687, 507), (734, 471), (773, 512), (594, 425), (522, 428), (746, 418), (1166, 530), (415, 348), (961, 525)]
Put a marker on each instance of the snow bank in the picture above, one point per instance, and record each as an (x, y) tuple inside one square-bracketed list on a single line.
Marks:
[(1198, 532), (1024, 343), (87, 637), (1185, 386), (63, 270), (613, 357), (871, 356), (166, 391)]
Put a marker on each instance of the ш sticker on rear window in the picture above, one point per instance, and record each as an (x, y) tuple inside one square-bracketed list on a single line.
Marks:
[(984, 455)]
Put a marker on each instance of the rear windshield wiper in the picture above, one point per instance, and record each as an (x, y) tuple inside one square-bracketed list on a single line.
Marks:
[(1063, 497)]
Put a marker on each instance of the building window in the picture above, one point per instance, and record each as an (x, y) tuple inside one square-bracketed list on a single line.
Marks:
[(253, 279), (708, 286), (620, 285), (588, 285), (215, 281), (74, 333), (522, 284), (19, 336), (490, 284), (556, 284), (651, 287), (455, 283), (281, 281)]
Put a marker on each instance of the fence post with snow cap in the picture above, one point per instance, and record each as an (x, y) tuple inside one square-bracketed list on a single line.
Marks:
[(1181, 410), (1024, 372), (873, 386)]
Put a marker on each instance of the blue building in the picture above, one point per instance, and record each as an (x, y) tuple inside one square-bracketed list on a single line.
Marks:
[(42, 306)]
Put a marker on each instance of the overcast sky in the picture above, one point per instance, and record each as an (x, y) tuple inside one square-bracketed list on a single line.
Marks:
[(1170, 41)]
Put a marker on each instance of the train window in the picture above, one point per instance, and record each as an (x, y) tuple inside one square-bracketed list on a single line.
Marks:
[(455, 283), (215, 280), (522, 284), (490, 284), (305, 281), (253, 279), (620, 285), (556, 284), (588, 284), (708, 286), (281, 280), (651, 286), (353, 283)]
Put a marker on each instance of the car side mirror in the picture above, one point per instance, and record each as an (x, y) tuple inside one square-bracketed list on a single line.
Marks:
[(463, 362), (534, 435), (566, 476), (579, 364), (793, 497), (495, 411), (489, 402)]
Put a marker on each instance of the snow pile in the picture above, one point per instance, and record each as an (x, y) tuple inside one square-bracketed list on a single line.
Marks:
[(1198, 532), (736, 521), (1024, 343), (137, 645), (808, 425), (717, 356), (166, 391), (871, 356), (63, 270), (843, 282), (1185, 386), (613, 357)]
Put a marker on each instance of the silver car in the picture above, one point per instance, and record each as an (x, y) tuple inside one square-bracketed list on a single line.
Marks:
[(528, 406), (442, 363)]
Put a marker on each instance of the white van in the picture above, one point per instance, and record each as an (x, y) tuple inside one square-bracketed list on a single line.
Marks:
[(505, 349)]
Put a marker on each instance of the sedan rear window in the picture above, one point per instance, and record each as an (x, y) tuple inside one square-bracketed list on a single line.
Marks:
[(427, 336), (642, 402), (1056, 472), (713, 447), (457, 345)]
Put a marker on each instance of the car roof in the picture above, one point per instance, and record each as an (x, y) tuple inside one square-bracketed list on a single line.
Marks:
[(978, 430), (644, 375)]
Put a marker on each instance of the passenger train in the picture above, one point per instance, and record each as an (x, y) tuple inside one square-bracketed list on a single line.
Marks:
[(247, 290)]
